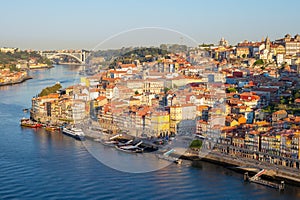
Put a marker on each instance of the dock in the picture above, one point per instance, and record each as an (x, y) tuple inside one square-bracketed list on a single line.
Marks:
[(257, 179)]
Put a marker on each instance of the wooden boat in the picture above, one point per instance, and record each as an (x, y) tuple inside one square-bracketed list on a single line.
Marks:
[(52, 128), (29, 123)]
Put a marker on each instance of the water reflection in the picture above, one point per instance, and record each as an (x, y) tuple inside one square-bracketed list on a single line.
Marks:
[(36, 164)]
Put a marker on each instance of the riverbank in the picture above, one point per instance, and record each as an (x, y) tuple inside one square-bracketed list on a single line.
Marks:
[(274, 173), (16, 82), (41, 66), (66, 63)]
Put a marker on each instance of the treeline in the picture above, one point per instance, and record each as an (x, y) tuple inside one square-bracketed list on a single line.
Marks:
[(9, 58), (174, 48), (142, 54), (50, 90), (111, 53)]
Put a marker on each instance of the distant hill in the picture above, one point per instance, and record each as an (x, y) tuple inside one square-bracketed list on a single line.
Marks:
[(12, 58), (143, 54)]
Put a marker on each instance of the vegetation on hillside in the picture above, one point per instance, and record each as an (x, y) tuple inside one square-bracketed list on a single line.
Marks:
[(10, 58), (286, 103), (174, 48), (206, 45), (50, 90), (142, 54)]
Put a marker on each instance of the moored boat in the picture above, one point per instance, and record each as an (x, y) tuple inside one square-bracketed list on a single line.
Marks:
[(130, 148), (74, 132), (110, 143), (29, 123), (52, 128), (25, 110)]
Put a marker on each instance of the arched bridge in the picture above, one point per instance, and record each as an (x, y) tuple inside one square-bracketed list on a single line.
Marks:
[(80, 56)]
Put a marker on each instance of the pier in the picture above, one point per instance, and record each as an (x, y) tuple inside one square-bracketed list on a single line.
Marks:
[(257, 179)]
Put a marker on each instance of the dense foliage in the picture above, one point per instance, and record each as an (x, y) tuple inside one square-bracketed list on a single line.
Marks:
[(258, 62), (50, 90), (196, 144), (9, 58), (142, 54)]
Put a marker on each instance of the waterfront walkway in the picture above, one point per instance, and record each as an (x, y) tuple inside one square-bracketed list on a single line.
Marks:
[(272, 170)]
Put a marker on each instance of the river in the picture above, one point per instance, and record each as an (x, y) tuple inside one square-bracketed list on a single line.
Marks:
[(35, 164)]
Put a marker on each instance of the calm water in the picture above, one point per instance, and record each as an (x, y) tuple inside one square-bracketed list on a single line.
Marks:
[(39, 165)]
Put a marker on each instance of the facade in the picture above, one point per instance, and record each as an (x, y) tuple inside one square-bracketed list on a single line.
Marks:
[(155, 86), (179, 113), (160, 123)]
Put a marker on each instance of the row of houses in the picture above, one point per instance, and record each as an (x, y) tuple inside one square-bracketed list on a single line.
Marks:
[(281, 51)]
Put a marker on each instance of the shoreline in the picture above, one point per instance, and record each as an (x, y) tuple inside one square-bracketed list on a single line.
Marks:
[(70, 63), (237, 164), (241, 166), (16, 82), (27, 77), (40, 67)]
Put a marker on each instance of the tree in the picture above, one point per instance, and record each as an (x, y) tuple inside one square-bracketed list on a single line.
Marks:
[(49, 90), (230, 90), (136, 92), (196, 144), (282, 100), (258, 62), (166, 89)]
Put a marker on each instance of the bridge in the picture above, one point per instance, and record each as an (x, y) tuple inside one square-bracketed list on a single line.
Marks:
[(80, 56)]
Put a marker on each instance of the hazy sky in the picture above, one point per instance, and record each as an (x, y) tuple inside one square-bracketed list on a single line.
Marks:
[(73, 24)]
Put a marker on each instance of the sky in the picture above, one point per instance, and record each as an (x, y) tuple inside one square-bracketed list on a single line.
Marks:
[(103, 24)]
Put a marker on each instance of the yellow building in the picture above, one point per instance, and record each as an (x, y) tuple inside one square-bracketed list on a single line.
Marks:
[(295, 144), (134, 101), (262, 126), (242, 51), (85, 81), (280, 49), (160, 125), (234, 123), (100, 101), (175, 117)]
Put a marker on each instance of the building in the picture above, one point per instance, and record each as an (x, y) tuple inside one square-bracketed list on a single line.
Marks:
[(160, 123), (242, 52), (278, 115), (179, 113), (9, 49), (291, 44), (155, 86)]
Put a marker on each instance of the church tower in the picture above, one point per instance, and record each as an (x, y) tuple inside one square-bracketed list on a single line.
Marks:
[(267, 43)]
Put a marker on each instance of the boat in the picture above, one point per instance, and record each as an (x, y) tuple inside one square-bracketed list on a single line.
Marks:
[(168, 157), (125, 143), (130, 148), (74, 132), (52, 128), (29, 123), (25, 110), (110, 143)]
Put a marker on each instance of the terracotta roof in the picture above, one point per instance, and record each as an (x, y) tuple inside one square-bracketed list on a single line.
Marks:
[(100, 98)]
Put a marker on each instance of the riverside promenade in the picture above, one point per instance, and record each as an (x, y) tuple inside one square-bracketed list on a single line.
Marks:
[(273, 172)]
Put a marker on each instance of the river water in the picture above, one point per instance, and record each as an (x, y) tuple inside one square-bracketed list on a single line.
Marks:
[(35, 164)]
